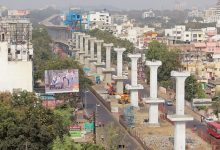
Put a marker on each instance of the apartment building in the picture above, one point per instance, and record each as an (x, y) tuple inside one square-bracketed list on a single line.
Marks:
[(16, 54)]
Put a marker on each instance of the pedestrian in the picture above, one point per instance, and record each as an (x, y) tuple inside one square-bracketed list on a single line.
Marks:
[(194, 128)]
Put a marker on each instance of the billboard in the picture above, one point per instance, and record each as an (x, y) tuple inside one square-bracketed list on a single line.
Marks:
[(202, 102), (61, 81)]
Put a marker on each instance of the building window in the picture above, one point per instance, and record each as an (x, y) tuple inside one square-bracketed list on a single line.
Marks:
[(194, 35), (187, 35), (17, 52), (200, 35)]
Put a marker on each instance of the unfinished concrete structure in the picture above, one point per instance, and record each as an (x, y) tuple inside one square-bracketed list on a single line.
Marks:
[(86, 56), (75, 40), (99, 64), (81, 52), (180, 118), (134, 87), (92, 58), (153, 100), (119, 77), (108, 70)]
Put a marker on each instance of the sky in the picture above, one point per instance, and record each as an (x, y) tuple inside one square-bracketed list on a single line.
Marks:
[(119, 4)]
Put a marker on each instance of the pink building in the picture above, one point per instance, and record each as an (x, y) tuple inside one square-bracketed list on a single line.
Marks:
[(208, 47)]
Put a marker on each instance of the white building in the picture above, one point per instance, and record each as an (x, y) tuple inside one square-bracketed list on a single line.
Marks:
[(119, 19), (16, 53), (196, 13), (15, 75), (175, 33), (148, 14), (100, 17), (179, 33)]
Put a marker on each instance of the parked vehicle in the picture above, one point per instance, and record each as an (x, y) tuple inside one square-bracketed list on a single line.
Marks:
[(169, 103), (213, 129)]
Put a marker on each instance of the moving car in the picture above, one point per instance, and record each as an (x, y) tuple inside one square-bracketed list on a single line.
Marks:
[(169, 103)]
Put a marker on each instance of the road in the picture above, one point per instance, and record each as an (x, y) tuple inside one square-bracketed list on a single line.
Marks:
[(172, 110), (104, 116)]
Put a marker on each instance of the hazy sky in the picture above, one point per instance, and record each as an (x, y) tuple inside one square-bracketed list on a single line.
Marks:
[(123, 4)]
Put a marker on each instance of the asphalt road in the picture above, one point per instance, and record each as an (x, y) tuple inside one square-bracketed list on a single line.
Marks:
[(104, 116)]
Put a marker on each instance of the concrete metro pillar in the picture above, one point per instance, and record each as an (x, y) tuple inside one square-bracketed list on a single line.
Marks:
[(92, 58), (108, 70), (134, 87), (81, 52), (180, 118), (76, 41), (99, 64), (86, 56), (119, 77), (153, 100)]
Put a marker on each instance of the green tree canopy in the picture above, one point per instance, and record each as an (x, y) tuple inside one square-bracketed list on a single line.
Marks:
[(170, 61), (110, 38), (25, 123)]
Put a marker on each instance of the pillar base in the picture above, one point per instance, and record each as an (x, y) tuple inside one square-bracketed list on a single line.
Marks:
[(153, 100), (120, 78), (108, 70), (134, 88), (75, 49), (180, 118), (81, 53), (86, 56), (92, 59), (99, 64)]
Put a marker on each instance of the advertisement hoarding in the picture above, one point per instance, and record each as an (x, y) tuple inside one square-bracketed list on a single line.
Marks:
[(202, 102), (61, 81)]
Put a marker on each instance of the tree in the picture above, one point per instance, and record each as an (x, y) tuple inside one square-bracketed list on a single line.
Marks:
[(113, 136), (110, 38), (26, 123), (65, 144), (170, 61), (216, 107), (200, 91), (68, 144), (190, 88)]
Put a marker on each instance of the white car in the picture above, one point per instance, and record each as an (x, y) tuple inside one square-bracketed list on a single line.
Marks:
[(206, 120)]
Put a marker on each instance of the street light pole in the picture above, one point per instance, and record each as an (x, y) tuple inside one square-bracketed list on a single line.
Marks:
[(94, 122), (94, 130)]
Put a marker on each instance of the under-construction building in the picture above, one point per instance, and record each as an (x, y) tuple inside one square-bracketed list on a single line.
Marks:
[(18, 33), (16, 53)]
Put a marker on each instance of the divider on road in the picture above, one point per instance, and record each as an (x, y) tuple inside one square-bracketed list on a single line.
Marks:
[(107, 104)]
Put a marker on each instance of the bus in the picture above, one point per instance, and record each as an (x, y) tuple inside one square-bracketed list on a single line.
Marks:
[(213, 129)]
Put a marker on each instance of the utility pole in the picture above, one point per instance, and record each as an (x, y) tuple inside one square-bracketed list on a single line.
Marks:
[(94, 130)]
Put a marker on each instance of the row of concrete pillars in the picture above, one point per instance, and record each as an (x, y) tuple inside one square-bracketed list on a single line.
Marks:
[(87, 58)]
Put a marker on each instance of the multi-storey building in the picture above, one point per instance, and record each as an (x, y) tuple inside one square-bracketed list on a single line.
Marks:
[(148, 14), (179, 33), (16, 53)]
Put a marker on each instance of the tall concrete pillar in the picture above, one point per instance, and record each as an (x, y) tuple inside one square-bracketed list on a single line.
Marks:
[(76, 41), (81, 52), (86, 56), (119, 77), (180, 118), (99, 64), (108, 70), (153, 100), (134, 87), (92, 58)]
